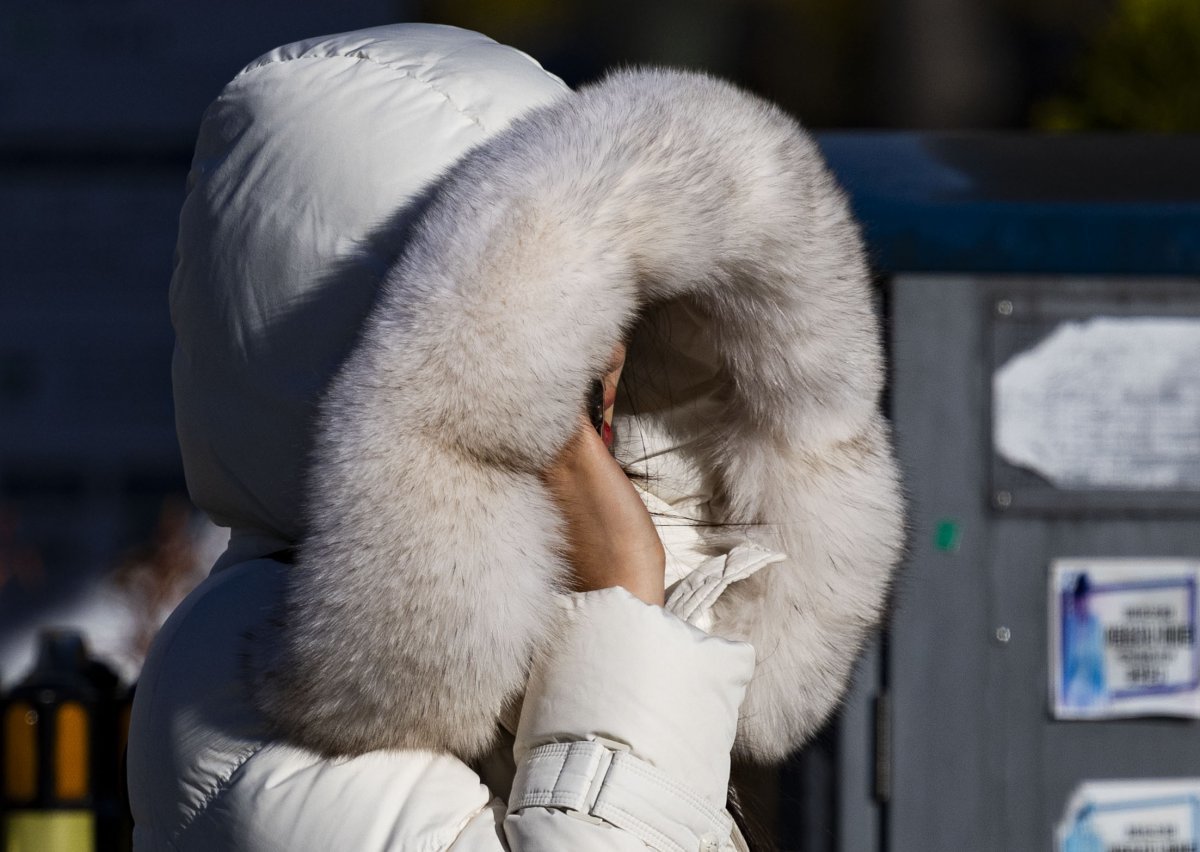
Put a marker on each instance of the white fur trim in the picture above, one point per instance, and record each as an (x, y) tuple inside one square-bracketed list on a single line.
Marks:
[(427, 580)]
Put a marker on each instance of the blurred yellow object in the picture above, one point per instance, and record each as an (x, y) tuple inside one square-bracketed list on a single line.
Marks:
[(1139, 72), (50, 831), (71, 752), (54, 829), (20, 750), (50, 718)]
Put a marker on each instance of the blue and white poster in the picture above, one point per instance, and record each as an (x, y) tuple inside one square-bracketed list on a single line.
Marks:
[(1123, 638), (1132, 816)]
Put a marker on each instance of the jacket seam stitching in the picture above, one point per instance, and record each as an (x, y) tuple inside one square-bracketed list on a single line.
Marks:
[(561, 768), (456, 835), (653, 833), (685, 794), (359, 56), (217, 790)]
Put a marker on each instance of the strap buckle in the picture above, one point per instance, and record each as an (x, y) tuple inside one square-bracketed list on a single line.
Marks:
[(601, 780)]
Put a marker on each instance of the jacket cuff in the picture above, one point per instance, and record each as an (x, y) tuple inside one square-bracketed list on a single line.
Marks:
[(623, 670)]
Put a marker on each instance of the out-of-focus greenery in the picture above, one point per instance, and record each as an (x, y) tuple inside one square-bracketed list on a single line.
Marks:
[(1140, 71), (816, 58), (1072, 65)]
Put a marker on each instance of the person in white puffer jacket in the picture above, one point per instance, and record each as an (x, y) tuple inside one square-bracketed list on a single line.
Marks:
[(404, 257)]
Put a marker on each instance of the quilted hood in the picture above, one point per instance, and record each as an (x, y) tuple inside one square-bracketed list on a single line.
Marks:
[(308, 168), (404, 255)]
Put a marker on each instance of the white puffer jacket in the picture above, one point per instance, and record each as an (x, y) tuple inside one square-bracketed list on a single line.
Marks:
[(436, 241)]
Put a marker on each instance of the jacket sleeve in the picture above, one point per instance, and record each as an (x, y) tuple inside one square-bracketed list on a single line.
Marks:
[(203, 777), (624, 735)]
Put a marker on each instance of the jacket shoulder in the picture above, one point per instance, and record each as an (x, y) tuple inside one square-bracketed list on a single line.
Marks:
[(205, 774), (288, 799)]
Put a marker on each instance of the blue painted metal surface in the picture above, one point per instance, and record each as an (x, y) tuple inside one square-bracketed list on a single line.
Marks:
[(1023, 203)]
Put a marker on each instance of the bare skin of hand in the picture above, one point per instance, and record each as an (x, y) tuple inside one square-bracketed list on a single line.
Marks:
[(611, 540)]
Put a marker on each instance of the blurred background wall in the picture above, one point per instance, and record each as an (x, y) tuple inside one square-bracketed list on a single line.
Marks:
[(99, 103), (927, 64)]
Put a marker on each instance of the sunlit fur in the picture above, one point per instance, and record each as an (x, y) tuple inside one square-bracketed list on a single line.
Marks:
[(426, 582)]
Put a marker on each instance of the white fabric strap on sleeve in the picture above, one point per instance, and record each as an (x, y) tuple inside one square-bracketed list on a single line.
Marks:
[(599, 780), (693, 597)]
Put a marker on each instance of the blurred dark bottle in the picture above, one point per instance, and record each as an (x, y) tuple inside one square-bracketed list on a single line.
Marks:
[(64, 730)]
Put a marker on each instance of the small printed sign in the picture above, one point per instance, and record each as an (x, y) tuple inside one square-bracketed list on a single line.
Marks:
[(1132, 816), (1123, 638)]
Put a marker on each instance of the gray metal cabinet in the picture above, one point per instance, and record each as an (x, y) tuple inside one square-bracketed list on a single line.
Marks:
[(976, 760), (984, 244)]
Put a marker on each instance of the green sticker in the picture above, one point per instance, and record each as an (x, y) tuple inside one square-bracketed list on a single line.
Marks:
[(948, 536)]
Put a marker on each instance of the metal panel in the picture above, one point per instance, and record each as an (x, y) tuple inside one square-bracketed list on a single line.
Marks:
[(977, 761), (858, 817), (1012, 203), (942, 666)]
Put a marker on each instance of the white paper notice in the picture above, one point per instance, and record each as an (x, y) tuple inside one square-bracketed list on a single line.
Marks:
[(1123, 638), (1110, 403), (1132, 816)]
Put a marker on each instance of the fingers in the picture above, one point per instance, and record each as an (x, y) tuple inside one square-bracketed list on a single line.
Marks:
[(611, 539), (609, 385)]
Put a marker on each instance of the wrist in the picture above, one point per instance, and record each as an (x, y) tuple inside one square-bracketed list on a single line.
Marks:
[(638, 675), (640, 574), (638, 587)]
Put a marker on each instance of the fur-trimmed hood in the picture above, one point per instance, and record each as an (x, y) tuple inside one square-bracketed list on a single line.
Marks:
[(669, 207)]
